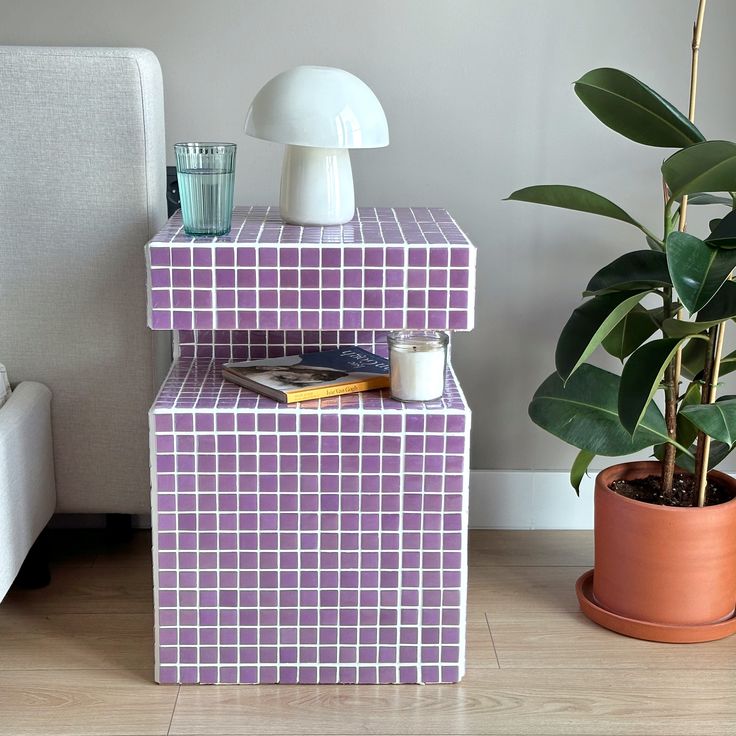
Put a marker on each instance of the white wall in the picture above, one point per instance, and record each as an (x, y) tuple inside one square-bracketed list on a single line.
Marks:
[(479, 100)]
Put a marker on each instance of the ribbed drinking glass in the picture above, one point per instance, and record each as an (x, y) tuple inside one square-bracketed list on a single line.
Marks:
[(206, 174)]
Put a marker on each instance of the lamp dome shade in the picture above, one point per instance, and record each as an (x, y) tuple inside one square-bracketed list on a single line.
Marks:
[(320, 107)]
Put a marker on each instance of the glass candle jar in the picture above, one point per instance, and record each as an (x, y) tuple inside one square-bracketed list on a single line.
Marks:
[(417, 361)]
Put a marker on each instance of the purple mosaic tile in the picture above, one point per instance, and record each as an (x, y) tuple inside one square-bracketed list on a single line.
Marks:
[(321, 542), (279, 276), (256, 344)]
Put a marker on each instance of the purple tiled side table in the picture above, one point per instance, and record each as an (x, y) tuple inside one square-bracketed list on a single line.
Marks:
[(322, 542), (388, 269)]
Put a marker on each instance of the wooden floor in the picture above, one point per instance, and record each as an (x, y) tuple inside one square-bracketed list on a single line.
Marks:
[(76, 658)]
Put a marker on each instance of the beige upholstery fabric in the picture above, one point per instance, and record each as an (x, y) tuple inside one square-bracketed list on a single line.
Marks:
[(82, 188), (4, 385), (27, 496)]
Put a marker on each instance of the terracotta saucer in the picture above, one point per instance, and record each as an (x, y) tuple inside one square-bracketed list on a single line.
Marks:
[(670, 633)]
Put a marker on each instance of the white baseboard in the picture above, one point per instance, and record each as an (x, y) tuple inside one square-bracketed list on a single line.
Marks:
[(528, 499)]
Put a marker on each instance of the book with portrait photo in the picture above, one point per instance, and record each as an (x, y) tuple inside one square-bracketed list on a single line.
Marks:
[(311, 375)]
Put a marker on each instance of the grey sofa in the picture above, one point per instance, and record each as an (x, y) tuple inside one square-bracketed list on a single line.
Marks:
[(82, 188)]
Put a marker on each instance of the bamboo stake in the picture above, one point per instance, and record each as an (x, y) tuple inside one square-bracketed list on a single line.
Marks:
[(704, 399), (697, 35), (674, 371), (710, 391), (715, 345)]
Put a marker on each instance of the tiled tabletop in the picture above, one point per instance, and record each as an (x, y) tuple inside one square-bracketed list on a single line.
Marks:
[(197, 385), (389, 225)]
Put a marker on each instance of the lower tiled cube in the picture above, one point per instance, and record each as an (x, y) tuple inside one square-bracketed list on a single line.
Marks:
[(323, 542)]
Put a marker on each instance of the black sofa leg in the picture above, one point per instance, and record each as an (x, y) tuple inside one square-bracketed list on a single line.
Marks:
[(34, 572), (119, 527)]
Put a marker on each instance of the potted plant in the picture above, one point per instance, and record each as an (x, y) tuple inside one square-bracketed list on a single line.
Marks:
[(665, 530)]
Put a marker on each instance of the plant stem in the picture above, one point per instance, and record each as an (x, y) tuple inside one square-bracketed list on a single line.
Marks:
[(670, 414), (670, 385)]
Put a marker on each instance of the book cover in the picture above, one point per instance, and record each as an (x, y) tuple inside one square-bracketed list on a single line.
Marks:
[(311, 375)]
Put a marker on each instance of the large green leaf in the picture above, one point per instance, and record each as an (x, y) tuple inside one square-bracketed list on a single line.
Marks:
[(700, 198), (683, 328), (686, 430), (573, 198), (718, 453), (720, 308), (639, 269), (641, 377), (728, 364), (654, 244), (633, 330), (704, 167), (697, 270), (634, 110), (723, 235), (583, 413), (588, 325), (580, 468), (693, 358), (716, 420)]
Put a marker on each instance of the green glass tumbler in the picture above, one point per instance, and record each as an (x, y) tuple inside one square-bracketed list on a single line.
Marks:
[(206, 174)]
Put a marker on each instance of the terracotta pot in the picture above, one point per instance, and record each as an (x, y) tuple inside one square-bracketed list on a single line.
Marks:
[(661, 564)]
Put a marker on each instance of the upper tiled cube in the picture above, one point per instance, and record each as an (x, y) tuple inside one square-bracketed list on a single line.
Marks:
[(409, 267)]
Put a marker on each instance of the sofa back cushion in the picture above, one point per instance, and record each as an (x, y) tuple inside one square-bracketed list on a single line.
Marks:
[(81, 191)]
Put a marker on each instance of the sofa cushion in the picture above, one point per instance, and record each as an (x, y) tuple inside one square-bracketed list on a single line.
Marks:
[(4, 385)]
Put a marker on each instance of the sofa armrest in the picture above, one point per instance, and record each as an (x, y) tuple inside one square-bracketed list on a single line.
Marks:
[(27, 486)]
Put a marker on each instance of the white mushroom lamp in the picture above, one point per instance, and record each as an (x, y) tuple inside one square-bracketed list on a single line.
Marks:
[(319, 112)]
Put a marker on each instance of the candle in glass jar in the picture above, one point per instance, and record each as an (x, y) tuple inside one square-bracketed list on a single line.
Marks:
[(417, 363)]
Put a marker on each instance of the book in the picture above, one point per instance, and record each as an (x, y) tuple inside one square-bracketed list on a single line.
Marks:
[(311, 375)]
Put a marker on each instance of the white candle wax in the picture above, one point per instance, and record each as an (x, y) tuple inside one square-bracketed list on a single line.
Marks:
[(417, 375)]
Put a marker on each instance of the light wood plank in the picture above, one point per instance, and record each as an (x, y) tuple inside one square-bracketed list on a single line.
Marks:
[(560, 673), (84, 702), (530, 548), (489, 702), (75, 641), (569, 640), (512, 590), (479, 650), (103, 588)]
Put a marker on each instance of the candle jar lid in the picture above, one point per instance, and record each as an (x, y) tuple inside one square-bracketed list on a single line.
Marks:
[(417, 340)]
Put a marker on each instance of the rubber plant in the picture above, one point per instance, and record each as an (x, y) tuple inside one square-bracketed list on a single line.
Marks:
[(603, 413)]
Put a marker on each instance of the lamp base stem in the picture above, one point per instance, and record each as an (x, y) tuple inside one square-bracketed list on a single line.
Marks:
[(317, 186)]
